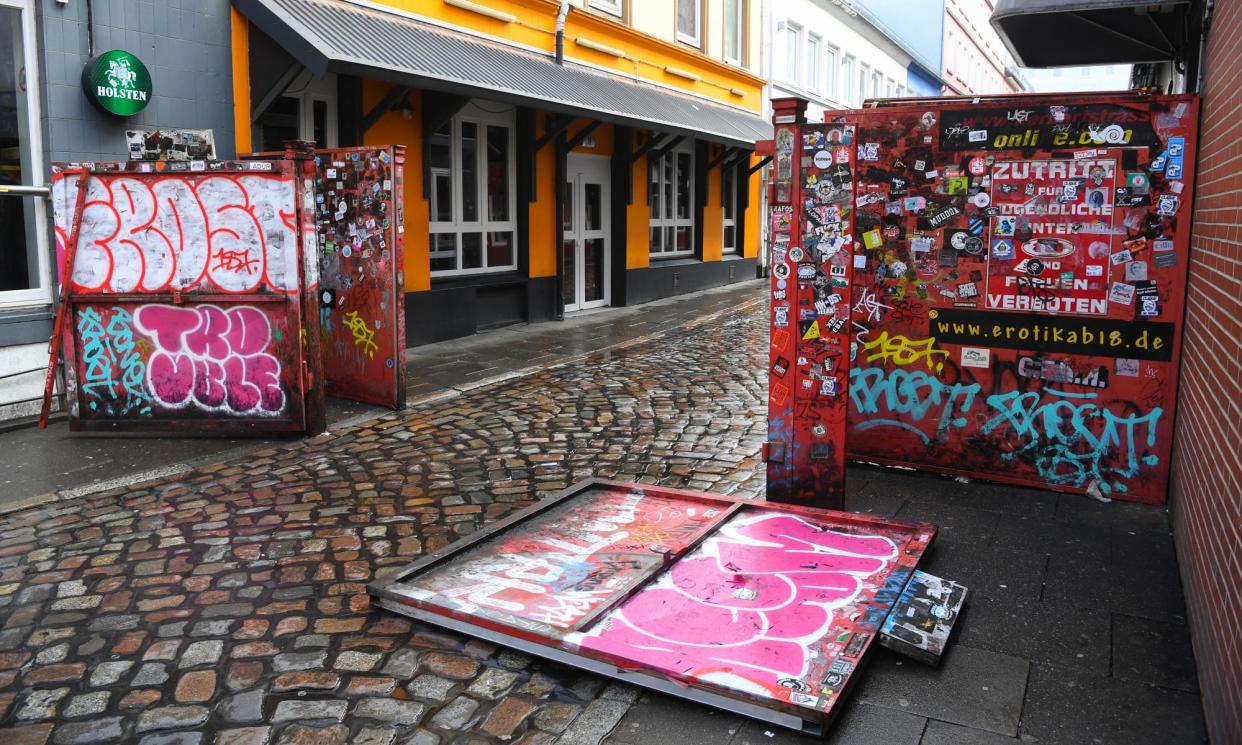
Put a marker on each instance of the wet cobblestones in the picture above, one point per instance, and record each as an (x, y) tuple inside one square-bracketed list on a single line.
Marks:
[(229, 605)]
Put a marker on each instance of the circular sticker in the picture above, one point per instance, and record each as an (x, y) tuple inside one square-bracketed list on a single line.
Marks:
[(928, 120), (1034, 267), (819, 430), (823, 159), (958, 241), (796, 254), (974, 246), (346, 252), (977, 166), (780, 284), (781, 271), (981, 200)]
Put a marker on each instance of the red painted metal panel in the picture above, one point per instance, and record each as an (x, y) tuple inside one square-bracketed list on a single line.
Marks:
[(813, 247), (771, 606), (1019, 311), (185, 299), (359, 195)]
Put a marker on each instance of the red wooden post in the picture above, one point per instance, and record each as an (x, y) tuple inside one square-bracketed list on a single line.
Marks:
[(812, 264)]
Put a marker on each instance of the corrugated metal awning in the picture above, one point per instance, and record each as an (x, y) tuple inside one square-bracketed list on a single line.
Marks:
[(1060, 33), (334, 36)]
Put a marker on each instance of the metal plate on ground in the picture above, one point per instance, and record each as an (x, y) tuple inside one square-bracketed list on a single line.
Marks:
[(762, 609)]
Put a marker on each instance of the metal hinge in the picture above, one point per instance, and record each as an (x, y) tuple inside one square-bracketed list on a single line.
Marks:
[(773, 452)]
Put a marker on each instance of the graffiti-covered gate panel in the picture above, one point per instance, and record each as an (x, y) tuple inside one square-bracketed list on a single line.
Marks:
[(359, 197), (184, 300), (1017, 312), (762, 609)]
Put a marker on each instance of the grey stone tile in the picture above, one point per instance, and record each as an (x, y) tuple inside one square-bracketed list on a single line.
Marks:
[(960, 526), (1153, 652), (1075, 638), (857, 724), (1150, 593), (943, 733), (659, 718), (991, 571), (972, 687), (1062, 707)]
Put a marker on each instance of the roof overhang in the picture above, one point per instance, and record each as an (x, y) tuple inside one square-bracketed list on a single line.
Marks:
[(1057, 33), (334, 36)]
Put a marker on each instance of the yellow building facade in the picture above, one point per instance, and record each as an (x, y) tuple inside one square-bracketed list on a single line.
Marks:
[(560, 156)]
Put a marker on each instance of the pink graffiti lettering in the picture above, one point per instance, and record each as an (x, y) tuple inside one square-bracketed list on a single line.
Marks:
[(212, 358), (747, 608), (153, 232)]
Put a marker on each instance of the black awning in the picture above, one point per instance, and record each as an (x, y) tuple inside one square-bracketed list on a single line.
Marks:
[(1062, 33), (331, 36)]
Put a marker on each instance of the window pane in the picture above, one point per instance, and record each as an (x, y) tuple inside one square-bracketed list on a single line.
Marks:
[(471, 250), (593, 269), (683, 185), (683, 238), (669, 242), (791, 53), (441, 156), (497, 173), (830, 71), (567, 212), (19, 262), (469, 172), (733, 30), (569, 288), (443, 252), (729, 239), (666, 181), (592, 207), (688, 18), (319, 115), (279, 124), (653, 187), (657, 245), (812, 64), (500, 249)]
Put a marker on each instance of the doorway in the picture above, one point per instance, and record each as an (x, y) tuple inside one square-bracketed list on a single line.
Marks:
[(586, 249)]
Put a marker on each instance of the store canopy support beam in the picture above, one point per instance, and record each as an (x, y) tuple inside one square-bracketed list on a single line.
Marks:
[(394, 96)]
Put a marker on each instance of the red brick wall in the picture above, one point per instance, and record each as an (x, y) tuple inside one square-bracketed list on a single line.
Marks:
[(1207, 461)]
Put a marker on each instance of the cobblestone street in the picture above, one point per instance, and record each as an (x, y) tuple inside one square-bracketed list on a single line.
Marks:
[(228, 604)]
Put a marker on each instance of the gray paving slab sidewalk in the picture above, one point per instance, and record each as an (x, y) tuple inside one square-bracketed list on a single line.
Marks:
[(35, 463)]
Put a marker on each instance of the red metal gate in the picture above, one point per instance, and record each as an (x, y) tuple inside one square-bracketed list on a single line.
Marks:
[(359, 216), (1018, 302), (186, 295), (812, 264)]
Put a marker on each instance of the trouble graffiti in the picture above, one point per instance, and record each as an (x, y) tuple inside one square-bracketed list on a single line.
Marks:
[(904, 399), (212, 358), (363, 336)]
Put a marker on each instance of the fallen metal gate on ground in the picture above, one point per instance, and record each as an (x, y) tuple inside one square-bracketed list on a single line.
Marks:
[(187, 298), (762, 609)]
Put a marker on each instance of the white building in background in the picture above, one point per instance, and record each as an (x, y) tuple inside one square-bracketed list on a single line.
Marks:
[(827, 52), (1078, 79), (975, 62)]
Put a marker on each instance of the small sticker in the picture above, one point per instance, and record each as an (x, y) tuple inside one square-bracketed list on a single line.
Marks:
[(977, 135), (1121, 293), (1126, 368), (1094, 270), (1122, 257), (823, 159), (860, 261), (1136, 271), (976, 357)]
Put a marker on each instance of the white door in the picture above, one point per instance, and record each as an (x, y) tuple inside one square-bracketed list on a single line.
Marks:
[(586, 250)]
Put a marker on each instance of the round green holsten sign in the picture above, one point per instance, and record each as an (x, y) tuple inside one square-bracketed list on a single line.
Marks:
[(117, 82)]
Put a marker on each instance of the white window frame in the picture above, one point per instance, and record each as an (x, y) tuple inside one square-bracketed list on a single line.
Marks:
[(672, 221), (41, 293), (848, 65), (458, 226), (695, 39), (728, 198), (306, 90), (864, 81), (739, 21), (611, 7), (792, 32), (814, 47), (832, 56)]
